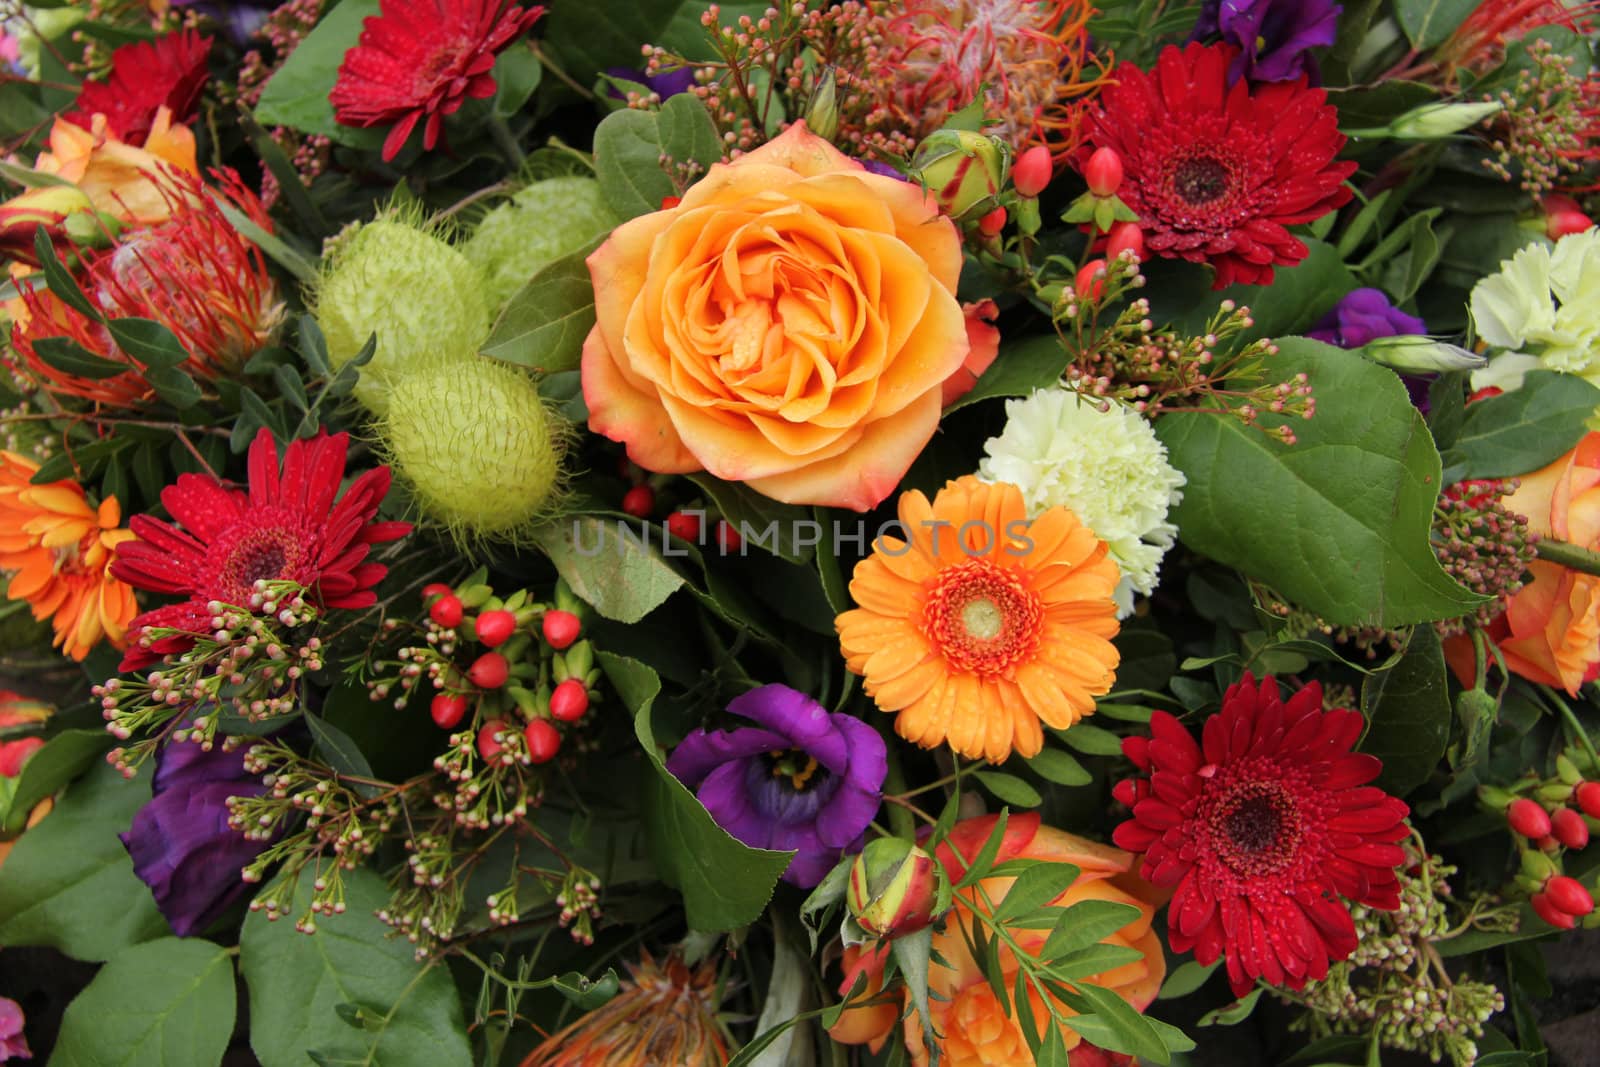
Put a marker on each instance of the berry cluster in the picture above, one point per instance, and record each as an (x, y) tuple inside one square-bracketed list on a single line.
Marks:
[(1549, 818), (686, 519), (1548, 127), (1482, 544)]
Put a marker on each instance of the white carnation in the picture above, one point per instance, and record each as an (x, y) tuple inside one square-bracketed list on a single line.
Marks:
[(1107, 467)]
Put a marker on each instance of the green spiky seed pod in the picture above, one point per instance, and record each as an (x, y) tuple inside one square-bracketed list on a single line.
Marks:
[(476, 445), (421, 297), (545, 221)]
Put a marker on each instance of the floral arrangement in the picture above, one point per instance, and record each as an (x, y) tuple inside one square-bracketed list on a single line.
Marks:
[(638, 533)]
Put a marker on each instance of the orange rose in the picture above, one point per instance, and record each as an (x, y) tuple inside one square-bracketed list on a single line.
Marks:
[(788, 324), (973, 1029), (119, 179), (1550, 632)]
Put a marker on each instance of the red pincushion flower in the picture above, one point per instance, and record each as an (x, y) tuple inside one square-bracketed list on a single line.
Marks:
[(145, 76), (422, 59), (1215, 174), (1261, 829), (286, 528)]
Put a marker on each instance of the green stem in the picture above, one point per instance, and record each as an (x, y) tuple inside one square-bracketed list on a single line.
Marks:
[(1572, 722), (1569, 555), (501, 134)]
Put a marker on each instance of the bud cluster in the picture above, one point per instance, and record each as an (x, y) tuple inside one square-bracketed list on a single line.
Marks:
[(253, 662), (1548, 128), (1395, 984), (1549, 818), (1482, 544)]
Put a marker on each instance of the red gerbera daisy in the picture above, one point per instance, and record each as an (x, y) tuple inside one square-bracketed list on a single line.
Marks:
[(145, 76), (1261, 829), (423, 59), (1218, 174), (286, 528)]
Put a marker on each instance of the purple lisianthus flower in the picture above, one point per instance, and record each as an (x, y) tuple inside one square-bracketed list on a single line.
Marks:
[(804, 779), (1364, 315), (180, 841), (239, 21), (13, 1046), (668, 83), (1274, 37)]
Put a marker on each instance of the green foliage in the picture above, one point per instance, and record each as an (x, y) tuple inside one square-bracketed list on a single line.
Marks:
[(621, 577), (407, 1012), (585, 39), (1408, 712), (1526, 429), (297, 96), (64, 757), (629, 145), (1428, 22), (544, 323), (1339, 522)]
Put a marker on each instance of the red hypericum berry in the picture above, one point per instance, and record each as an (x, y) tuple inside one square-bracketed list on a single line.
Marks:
[(670, 202), (496, 627), (1528, 818), (1546, 909), (1124, 237), (1569, 895), (447, 611), (569, 701), (433, 589), (543, 740), (1103, 172), (992, 223), (1032, 171), (1484, 394), (1091, 280), (447, 710), (1568, 827), (639, 501), (684, 527), (1588, 797), (1563, 216), (488, 747), (561, 628), (489, 671), (728, 538)]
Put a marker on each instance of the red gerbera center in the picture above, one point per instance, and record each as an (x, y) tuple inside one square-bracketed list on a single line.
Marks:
[(292, 526), (1217, 174), (421, 60), (1261, 830), (981, 617)]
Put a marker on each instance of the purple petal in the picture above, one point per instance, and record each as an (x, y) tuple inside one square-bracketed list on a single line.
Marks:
[(795, 715), (850, 813), (705, 750)]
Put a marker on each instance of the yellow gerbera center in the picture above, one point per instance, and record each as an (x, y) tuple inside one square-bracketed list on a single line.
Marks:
[(981, 617)]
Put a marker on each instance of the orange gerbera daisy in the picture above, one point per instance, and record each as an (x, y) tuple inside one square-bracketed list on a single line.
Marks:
[(61, 549), (984, 624)]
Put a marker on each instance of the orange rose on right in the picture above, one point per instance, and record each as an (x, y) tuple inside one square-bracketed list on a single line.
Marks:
[(1550, 632)]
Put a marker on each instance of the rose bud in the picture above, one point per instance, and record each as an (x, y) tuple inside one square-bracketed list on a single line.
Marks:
[(1032, 171), (1568, 827), (1528, 818), (1103, 172), (1588, 797), (962, 169), (894, 888)]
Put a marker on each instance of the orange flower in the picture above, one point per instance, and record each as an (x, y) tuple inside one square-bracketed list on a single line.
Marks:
[(984, 623), (60, 550), (125, 182), (973, 1029), (666, 1013), (788, 324), (1550, 632)]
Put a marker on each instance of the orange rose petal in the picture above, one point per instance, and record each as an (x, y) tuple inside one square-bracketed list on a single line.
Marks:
[(619, 411)]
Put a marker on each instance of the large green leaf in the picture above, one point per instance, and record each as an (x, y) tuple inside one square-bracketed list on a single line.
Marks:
[(1338, 522), (297, 96), (1526, 429), (618, 575), (409, 1009), (586, 38), (725, 883), (159, 1004), (69, 883), (545, 322), (764, 522), (63, 758), (1408, 713), (1428, 22), (1019, 369), (629, 146)]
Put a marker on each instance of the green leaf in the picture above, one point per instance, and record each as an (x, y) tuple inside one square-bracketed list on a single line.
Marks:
[(1091, 740), (148, 342), (1009, 788), (913, 953), (1339, 522), (1185, 979), (1086, 923), (69, 883), (1428, 22), (291, 260), (545, 322), (629, 144), (725, 883), (340, 752), (1526, 429), (160, 1003), (1408, 713), (63, 758), (618, 576), (174, 387), (517, 73), (765, 523), (411, 1011), (588, 38), (1035, 887), (1232, 1014), (1019, 369), (59, 280), (297, 96), (1115, 1025), (978, 866), (70, 357), (1054, 765), (29, 178), (585, 993)]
